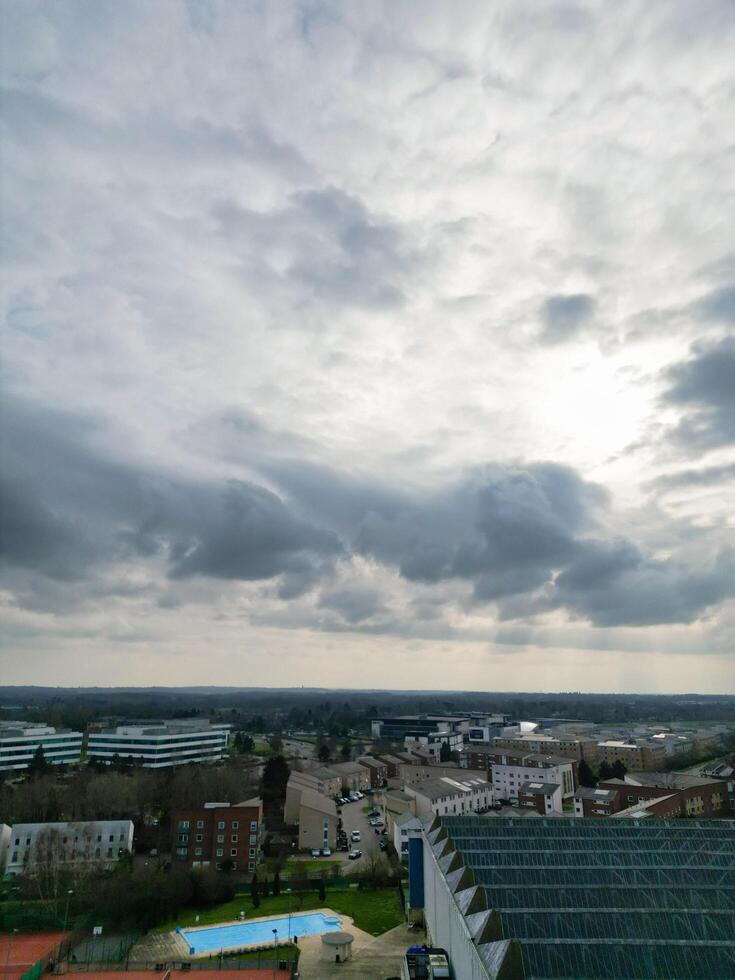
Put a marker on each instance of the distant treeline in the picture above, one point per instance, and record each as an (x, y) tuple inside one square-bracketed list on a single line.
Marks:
[(335, 712)]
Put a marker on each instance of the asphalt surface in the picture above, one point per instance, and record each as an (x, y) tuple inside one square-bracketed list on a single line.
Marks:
[(354, 819)]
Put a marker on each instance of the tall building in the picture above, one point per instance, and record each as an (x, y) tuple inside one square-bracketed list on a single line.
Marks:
[(19, 741), (553, 898), (218, 832), (64, 845), (161, 744)]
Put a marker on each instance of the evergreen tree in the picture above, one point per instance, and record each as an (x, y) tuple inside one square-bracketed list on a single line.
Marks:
[(265, 887), (322, 891), (38, 765), (445, 753), (345, 751), (324, 753), (254, 895), (276, 884), (619, 770), (586, 776), (604, 771)]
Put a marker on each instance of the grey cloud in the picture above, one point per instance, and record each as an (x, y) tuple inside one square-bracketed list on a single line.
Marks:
[(705, 476), (704, 386), (220, 529), (564, 316), (323, 242), (355, 605), (718, 305)]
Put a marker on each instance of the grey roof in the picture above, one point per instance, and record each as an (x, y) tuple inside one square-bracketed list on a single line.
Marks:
[(594, 898), (345, 768), (600, 795), (533, 787), (317, 801), (435, 789)]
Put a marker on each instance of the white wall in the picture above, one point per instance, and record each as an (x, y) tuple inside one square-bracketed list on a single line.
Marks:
[(507, 779)]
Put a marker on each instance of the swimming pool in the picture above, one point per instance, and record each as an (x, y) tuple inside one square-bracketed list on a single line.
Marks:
[(241, 934)]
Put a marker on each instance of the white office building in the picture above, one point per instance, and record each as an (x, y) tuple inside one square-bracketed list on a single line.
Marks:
[(402, 825), (508, 779), (447, 795), (88, 842), (161, 744), (19, 741)]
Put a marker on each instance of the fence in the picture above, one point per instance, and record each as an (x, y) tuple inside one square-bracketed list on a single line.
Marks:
[(226, 964)]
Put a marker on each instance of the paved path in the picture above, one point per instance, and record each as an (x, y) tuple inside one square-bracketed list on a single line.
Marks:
[(373, 957)]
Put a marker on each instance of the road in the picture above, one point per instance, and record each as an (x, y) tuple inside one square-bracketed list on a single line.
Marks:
[(354, 819)]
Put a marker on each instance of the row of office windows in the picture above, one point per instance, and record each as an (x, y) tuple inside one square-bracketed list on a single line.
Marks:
[(221, 824)]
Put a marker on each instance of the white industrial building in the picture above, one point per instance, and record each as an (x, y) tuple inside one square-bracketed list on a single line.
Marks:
[(89, 842), (19, 741), (161, 744), (447, 795)]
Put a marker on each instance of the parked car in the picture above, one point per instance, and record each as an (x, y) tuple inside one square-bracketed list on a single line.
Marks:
[(355, 835), (343, 846), (315, 853), (354, 855), (326, 852)]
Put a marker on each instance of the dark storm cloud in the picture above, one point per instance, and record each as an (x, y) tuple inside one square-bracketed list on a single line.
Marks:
[(525, 538), (323, 242), (63, 490), (704, 387), (564, 316), (718, 305)]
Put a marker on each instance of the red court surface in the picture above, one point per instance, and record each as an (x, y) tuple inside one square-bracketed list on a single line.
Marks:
[(19, 951), (194, 975)]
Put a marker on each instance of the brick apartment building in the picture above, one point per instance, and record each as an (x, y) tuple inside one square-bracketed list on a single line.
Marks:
[(377, 770), (218, 832), (696, 796)]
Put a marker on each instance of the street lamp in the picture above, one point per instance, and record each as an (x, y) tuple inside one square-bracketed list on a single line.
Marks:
[(66, 913), (6, 971), (275, 951)]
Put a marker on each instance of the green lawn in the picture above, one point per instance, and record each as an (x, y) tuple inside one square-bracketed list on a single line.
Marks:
[(373, 911)]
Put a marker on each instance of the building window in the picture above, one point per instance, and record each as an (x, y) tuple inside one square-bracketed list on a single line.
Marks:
[(109, 852), (200, 837), (220, 825), (200, 824), (197, 851), (183, 838), (220, 838), (253, 839), (183, 824), (235, 824), (251, 865), (251, 852), (233, 852), (220, 852), (253, 824), (234, 838)]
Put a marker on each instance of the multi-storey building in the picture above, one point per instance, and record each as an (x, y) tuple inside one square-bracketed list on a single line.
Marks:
[(66, 845), (589, 802), (410, 775), (433, 742), (448, 795), (639, 755), (19, 742), (161, 744), (571, 747), (377, 769), (353, 776), (544, 798), (694, 795), (216, 833), (317, 821), (510, 768)]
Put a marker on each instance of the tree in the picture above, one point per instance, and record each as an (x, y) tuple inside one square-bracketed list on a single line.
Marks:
[(345, 751), (445, 752), (324, 753), (586, 776), (276, 883), (254, 895), (604, 771), (619, 770), (38, 765), (265, 887), (276, 743), (322, 891), (245, 743), (273, 790)]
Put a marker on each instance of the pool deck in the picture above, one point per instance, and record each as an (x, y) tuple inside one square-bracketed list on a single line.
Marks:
[(180, 933)]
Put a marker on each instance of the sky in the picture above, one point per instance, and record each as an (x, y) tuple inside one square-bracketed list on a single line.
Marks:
[(383, 344)]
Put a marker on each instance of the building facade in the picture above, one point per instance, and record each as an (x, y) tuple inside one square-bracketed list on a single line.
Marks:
[(639, 755), (160, 745), (218, 832), (32, 846), (509, 769), (20, 740), (377, 770), (317, 821), (544, 798), (353, 776), (447, 795)]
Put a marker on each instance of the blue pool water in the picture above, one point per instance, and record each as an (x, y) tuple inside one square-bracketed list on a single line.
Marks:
[(251, 933)]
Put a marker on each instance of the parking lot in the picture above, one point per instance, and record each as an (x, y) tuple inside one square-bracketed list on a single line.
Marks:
[(353, 818)]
